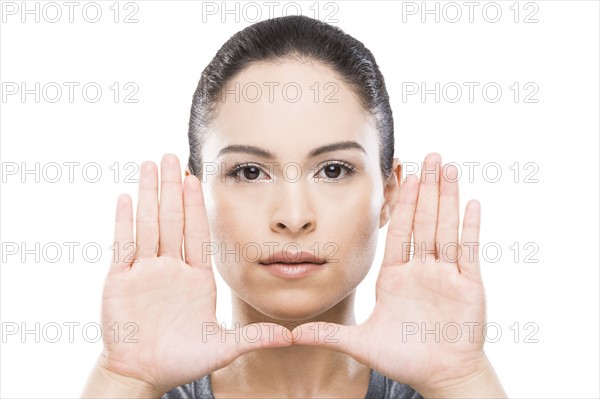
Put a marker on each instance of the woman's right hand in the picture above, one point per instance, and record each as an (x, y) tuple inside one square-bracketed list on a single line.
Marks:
[(168, 299)]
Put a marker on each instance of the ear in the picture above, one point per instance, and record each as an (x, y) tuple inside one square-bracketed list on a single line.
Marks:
[(391, 191)]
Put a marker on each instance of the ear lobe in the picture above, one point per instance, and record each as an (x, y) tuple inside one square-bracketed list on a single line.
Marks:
[(383, 218), (391, 193), (398, 169)]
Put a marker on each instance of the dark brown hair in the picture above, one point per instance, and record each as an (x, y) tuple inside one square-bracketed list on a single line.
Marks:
[(286, 37)]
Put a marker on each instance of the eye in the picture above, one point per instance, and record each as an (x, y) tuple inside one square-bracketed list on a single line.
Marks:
[(250, 172), (334, 169)]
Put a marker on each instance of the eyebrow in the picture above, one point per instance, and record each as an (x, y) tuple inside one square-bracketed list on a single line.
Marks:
[(253, 150)]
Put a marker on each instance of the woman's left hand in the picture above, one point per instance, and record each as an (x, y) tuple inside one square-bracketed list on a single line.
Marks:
[(427, 326)]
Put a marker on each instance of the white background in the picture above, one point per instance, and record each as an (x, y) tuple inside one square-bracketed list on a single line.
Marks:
[(164, 53)]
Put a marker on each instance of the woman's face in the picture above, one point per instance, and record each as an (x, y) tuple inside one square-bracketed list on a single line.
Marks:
[(293, 201)]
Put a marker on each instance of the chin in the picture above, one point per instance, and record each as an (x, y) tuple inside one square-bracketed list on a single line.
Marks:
[(295, 306), (292, 315)]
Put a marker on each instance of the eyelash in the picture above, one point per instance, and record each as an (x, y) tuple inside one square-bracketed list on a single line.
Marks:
[(233, 173)]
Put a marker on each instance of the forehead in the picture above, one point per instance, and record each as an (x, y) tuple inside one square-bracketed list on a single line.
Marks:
[(290, 106)]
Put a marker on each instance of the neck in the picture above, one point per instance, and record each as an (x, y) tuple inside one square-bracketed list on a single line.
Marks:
[(295, 371)]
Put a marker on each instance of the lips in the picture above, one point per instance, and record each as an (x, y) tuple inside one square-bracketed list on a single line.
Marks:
[(292, 258)]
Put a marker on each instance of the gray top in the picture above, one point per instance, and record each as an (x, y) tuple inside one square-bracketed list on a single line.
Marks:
[(380, 387)]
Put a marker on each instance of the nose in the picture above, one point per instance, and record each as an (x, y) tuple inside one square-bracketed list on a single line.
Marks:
[(292, 213)]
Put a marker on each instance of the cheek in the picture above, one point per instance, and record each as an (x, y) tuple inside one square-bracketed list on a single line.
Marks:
[(354, 225), (231, 216), (365, 231), (347, 231), (228, 225)]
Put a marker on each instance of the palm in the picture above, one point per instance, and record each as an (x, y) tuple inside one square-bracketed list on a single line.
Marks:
[(158, 311), (167, 300), (430, 310), (402, 334)]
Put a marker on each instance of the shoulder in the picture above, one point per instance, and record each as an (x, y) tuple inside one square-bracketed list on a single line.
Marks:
[(194, 390), (382, 387)]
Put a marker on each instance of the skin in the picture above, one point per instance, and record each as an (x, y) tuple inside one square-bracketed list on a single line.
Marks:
[(345, 213), (171, 295)]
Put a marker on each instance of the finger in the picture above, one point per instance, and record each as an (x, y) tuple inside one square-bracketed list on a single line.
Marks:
[(123, 245), (196, 232), (170, 216), (427, 206), (468, 261), (146, 231), (398, 239), (447, 226)]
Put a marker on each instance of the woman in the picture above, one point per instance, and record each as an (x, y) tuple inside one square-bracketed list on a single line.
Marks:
[(291, 133)]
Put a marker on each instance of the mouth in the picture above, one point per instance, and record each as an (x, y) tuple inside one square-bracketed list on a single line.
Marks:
[(292, 258), (292, 270), (292, 265)]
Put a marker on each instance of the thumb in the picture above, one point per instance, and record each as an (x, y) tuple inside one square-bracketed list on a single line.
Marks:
[(257, 336), (344, 339)]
